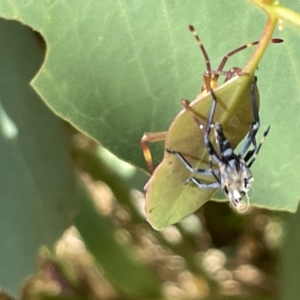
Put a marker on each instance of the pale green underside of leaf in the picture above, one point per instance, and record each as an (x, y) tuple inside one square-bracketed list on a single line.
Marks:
[(117, 69)]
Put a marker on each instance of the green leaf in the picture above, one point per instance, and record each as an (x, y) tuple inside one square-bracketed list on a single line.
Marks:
[(36, 186), (117, 69), (114, 73)]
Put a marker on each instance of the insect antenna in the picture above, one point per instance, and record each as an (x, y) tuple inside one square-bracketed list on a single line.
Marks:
[(211, 82), (208, 72), (231, 53), (198, 40)]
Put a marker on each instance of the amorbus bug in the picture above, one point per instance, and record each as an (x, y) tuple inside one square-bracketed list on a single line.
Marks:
[(210, 81), (233, 173), (167, 199)]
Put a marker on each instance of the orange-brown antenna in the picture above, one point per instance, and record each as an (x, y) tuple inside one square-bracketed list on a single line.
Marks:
[(231, 53), (211, 82), (207, 61)]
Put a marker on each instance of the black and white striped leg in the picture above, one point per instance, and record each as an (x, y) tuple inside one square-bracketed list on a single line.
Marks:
[(201, 185), (258, 147), (190, 168), (253, 128)]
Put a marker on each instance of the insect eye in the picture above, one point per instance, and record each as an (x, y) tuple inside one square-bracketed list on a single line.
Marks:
[(243, 193), (246, 182)]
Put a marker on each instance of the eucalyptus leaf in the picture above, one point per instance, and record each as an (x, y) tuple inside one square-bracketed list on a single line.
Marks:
[(118, 69)]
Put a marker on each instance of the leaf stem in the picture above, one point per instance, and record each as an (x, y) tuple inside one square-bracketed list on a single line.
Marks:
[(278, 11), (252, 65)]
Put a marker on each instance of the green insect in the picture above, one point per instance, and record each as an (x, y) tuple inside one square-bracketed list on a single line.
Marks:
[(167, 198), (231, 171)]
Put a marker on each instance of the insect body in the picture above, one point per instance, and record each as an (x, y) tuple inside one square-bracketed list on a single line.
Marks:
[(167, 199), (233, 174), (210, 81)]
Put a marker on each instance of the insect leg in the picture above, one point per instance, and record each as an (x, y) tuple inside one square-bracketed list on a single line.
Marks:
[(201, 185), (212, 112), (186, 105), (258, 148), (253, 102), (151, 137), (210, 148), (214, 172), (253, 128), (190, 168), (224, 145)]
